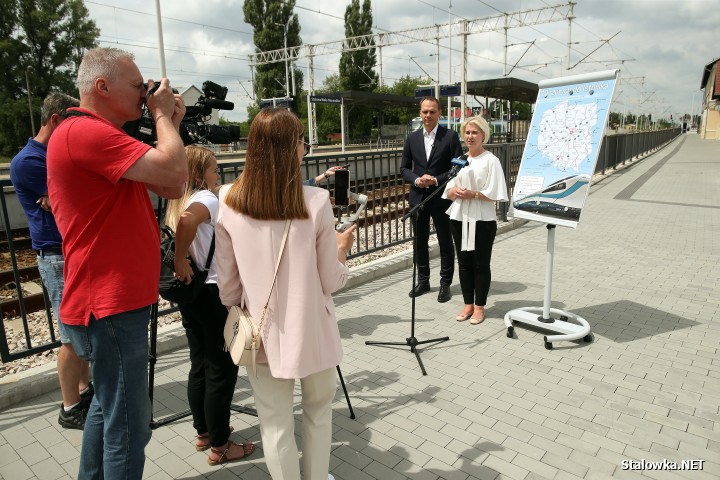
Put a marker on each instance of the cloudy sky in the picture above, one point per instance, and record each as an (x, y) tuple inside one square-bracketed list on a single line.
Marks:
[(660, 47)]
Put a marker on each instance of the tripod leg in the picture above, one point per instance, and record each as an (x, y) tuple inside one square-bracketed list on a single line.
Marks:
[(347, 397), (152, 354)]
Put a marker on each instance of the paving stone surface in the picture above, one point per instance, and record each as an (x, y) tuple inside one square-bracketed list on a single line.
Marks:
[(641, 268)]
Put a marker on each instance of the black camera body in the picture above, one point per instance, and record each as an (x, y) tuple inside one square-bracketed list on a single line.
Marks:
[(195, 126)]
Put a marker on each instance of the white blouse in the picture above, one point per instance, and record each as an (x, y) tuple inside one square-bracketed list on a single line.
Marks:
[(483, 174), (200, 246)]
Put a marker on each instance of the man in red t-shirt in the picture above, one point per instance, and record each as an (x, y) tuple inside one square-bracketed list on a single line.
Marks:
[(98, 178)]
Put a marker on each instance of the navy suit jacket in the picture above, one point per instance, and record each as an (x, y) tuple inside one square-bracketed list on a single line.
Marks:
[(415, 164)]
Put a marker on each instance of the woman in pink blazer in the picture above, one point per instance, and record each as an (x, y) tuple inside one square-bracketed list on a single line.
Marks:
[(300, 337)]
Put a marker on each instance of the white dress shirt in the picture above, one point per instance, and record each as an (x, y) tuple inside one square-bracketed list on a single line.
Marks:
[(429, 139)]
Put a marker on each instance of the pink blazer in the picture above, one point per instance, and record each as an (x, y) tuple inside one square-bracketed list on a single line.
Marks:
[(300, 335)]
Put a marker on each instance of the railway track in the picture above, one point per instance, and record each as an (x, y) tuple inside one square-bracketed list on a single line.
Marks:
[(20, 239), (387, 200), (33, 302)]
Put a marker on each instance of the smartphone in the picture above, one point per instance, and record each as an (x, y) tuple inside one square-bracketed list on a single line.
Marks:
[(342, 187), (346, 166)]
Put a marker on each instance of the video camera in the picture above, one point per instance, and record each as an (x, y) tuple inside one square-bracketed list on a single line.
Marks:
[(194, 127)]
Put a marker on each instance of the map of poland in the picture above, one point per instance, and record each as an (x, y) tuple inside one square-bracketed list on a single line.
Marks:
[(565, 134)]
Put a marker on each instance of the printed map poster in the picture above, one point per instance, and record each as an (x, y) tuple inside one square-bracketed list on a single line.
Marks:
[(562, 147)]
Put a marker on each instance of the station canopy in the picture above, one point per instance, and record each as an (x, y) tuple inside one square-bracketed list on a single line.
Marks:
[(375, 100), (506, 88), (371, 99)]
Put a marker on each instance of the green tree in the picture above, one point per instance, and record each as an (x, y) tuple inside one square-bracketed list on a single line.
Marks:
[(43, 40), (524, 110), (328, 116), (357, 67), (268, 19), (405, 86)]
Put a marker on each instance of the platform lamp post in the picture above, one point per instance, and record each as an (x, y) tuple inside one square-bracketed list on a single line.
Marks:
[(287, 76), (27, 82)]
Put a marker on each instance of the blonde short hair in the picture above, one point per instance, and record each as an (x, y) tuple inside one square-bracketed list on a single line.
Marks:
[(479, 122)]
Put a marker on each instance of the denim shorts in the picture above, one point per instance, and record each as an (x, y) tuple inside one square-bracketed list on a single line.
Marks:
[(51, 271)]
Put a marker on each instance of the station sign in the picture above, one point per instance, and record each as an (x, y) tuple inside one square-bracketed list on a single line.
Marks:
[(285, 102), (452, 90), (424, 92), (332, 98)]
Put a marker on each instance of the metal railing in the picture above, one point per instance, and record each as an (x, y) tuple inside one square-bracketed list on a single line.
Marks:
[(374, 173)]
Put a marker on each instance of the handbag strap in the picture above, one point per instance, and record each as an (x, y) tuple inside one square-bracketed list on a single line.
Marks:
[(211, 252), (277, 266)]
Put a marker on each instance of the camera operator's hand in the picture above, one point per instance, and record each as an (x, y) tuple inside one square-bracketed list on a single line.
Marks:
[(179, 112), (162, 102), (345, 242)]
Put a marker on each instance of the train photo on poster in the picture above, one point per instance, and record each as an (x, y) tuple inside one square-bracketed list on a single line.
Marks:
[(561, 199)]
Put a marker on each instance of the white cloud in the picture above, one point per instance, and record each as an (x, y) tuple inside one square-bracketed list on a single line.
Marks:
[(667, 43)]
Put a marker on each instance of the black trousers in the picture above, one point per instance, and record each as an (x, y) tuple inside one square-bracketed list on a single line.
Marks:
[(434, 209), (474, 266), (211, 382)]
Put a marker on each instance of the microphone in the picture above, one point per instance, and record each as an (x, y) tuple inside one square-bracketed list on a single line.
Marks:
[(457, 164), (215, 103)]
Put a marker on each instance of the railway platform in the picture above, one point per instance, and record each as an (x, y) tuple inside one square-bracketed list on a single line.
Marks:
[(640, 399)]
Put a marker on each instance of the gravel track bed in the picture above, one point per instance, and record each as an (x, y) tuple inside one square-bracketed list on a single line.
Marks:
[(40, 333)]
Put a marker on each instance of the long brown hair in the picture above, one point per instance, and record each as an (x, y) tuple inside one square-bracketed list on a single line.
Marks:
[(198, 161), (270, 187)]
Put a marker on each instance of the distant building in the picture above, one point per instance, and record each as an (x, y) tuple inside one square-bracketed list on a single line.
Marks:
[(191, 95), (710, 120)]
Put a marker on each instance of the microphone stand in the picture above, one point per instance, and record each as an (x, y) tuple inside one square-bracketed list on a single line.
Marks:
[(411, 341)]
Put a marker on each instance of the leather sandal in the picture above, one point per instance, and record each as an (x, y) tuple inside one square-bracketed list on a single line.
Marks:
[(223, 452), (202, 442)]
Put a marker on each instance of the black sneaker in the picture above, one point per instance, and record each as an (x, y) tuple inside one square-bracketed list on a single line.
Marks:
[(75, 418), (86, 397)]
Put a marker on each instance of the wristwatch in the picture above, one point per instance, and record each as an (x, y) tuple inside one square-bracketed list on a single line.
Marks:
[(325, 175)]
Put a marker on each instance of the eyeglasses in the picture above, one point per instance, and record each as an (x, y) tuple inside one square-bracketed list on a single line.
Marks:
[(306, 147)]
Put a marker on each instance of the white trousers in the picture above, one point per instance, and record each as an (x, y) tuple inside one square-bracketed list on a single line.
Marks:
[(274, 404)]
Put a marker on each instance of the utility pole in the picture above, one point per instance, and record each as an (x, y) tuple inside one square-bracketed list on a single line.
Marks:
[(570, 19), (161, 43), (287, 54), (449, 44)]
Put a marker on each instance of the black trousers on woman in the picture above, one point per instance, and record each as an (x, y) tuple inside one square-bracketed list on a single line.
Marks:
[(211, 382), (474, 266)]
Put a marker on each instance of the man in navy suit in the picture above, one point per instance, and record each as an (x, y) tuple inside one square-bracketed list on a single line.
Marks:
[(426, 165)]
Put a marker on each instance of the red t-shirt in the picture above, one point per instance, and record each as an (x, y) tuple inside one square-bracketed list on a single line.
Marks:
[(111, 240)]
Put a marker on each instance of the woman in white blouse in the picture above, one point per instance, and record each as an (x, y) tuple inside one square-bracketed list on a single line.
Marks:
[(473, 221)]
